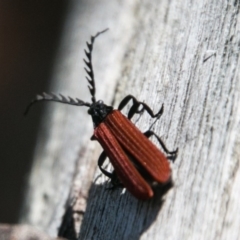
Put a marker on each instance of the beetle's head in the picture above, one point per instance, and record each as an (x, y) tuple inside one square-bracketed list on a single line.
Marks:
[(98, 110)]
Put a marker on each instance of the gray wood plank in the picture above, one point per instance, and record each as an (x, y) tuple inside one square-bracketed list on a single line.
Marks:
[(184, 54)]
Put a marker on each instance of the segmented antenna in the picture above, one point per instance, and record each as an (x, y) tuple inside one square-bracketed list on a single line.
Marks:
[(68, 100), (90, 72), (56, 98)]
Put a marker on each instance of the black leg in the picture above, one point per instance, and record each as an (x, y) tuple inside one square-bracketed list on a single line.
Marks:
[(113, 176), (172, 154), (115, 182), (135, 107), (101, 160)]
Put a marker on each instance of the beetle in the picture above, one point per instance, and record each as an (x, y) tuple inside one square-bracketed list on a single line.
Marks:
[(137, 162)]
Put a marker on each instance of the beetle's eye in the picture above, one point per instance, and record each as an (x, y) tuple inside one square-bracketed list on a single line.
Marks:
[(100, 102)]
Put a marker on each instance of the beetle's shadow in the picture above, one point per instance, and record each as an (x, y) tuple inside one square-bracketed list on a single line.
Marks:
[(112, 215)]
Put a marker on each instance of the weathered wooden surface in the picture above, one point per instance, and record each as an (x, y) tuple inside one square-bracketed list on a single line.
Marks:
[(22, 232), (184, 54)]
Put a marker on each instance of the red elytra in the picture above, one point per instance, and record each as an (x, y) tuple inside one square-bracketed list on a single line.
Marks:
[(118, 135)]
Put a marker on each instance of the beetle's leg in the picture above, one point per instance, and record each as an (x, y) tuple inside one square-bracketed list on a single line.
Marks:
[(172, 154), (101, 160), (125, 101), (115, 181), (113, 176), (135, 107)]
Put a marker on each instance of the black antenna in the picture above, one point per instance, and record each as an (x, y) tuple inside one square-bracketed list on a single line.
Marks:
[(90, 72), (68, 100), (56, 98)]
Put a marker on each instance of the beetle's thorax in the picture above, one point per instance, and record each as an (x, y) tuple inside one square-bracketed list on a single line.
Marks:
[(98, 110)]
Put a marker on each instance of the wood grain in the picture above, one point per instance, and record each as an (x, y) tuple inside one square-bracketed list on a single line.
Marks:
[(184, 54)]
